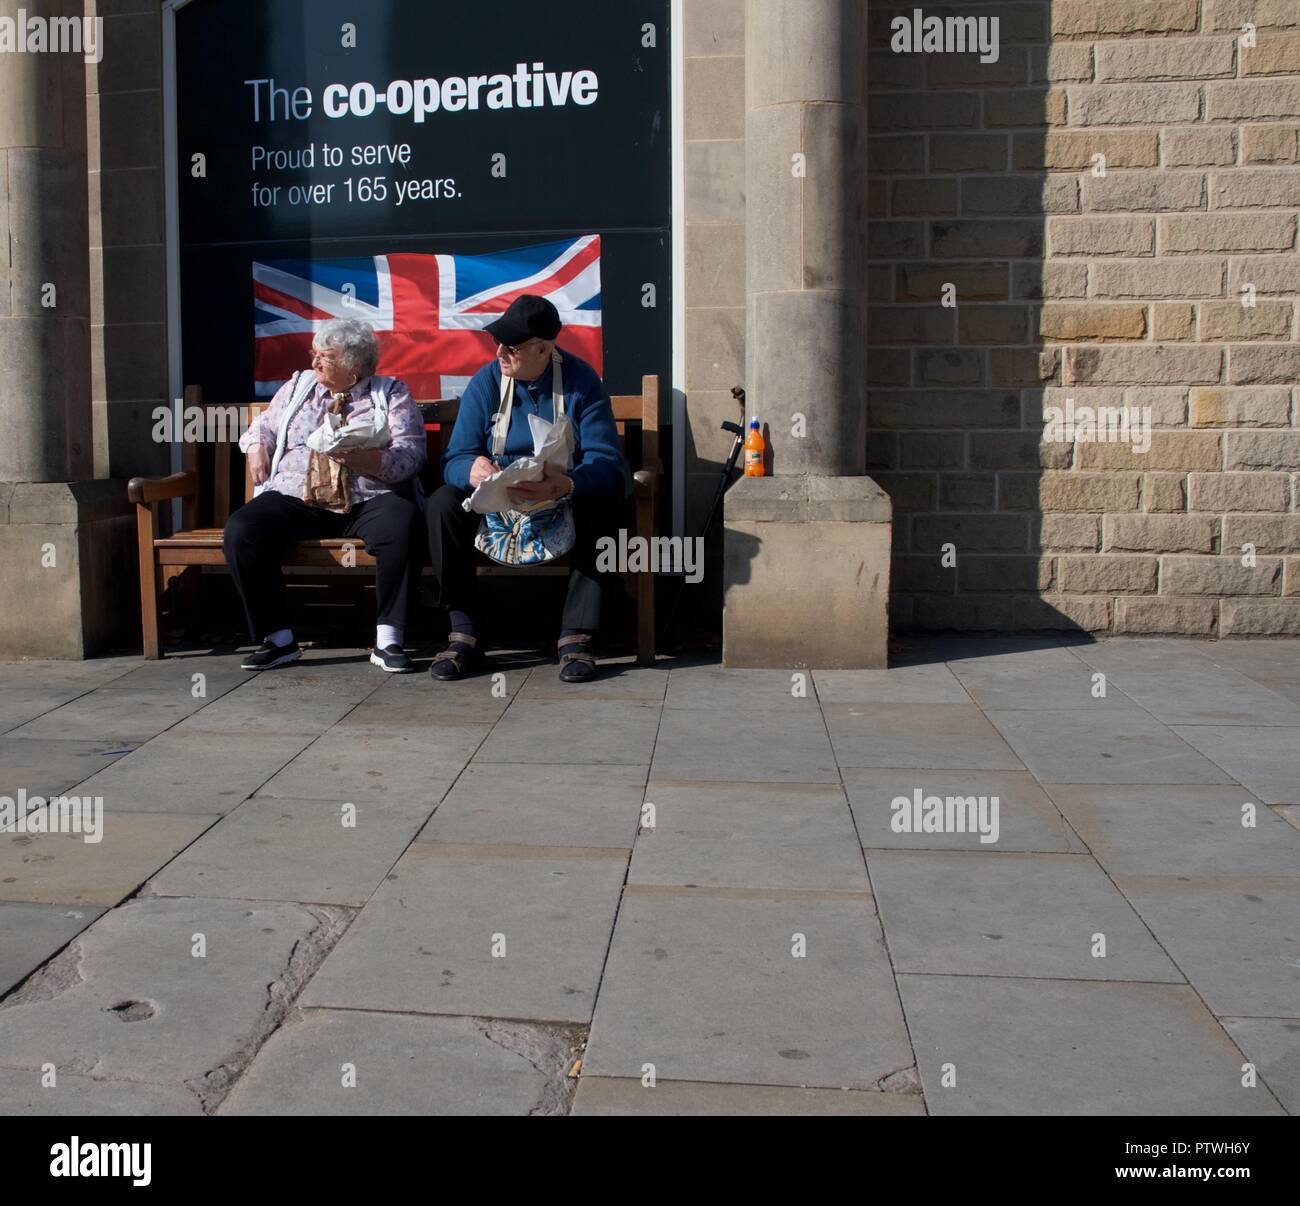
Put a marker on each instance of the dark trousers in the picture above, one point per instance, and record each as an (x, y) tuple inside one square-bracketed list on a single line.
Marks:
[(453, 556), (257, 535)]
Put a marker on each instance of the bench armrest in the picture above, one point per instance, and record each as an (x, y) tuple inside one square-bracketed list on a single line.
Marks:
[(156, 489)]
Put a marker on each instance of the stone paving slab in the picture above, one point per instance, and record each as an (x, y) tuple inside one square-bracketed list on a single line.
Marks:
[(31, 933), (1112, 745), (404, 1065), (608, 1096), (72, 1096), (703, 985), (129, 1001), (203, 773), (616, 732), (424, 942), (45, 768), (63, 868), (927, 684), (1185, 830), (1057, 1047), (1273, 1046), (19, 706), (417, 701), (1030, 915), (764, 746), (546, 805), (1236, 938), (402, 765), (112, 714), (1027, 818), (1032, 684), (1265, 760), (620, 678), (247, 710), (929, 736), (753, 835), (740, 691), (273, 848)]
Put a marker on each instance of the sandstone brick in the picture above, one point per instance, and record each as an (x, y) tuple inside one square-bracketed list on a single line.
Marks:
[(1268, 533), (908, 491), (1169, 450), (1029, 194), (1199, 146), (1231, 15), (887, 71), (963, 613), (967, 492), (922, 574), (1228, 320), (1272, 54), (1024, 107), (880, 282), (1101, 236), (1219, 576), (1165, 493), (1049, 279), (1166, 59), (909, 324), (895, 240), (1023, 366), (901, 154), (1165, 617), (1267, 273), (967, 71), (1060, 61), (1062, 613), (970, 533), (1159, 364), (882, 448), (1252, 100), (1261, 617), (923, 198), (1016, 450), (1038, 402), (925, 110), (1291, 577), (1224, 492), (991, 324), (1261, 406), (1167, 403), (1255, 188), (925, 281), (954, 408), (1006, 573), (1227, 232), (1076, 17), (931, 450), (1264, 364), (1073, 150), (968, 152), (949, 366), (1157, 278), (1261, 449), (1092, 321), (1173, 321), (1014, 238), (877, 200), (1068, 490), (1067, 533), (1158, 191), (888, 366), (1133, 104), (1270, 144), (1107, 575), (1159, 533)]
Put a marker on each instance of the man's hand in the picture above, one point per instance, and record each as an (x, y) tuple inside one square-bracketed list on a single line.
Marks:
[(259, 464), (365, 461), (480, 471), (555, 484)]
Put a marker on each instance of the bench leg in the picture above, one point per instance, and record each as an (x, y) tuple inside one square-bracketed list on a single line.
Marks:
[(645, 590), (146, 524)]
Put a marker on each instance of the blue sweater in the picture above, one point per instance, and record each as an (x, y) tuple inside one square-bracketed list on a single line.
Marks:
[(598, 465)]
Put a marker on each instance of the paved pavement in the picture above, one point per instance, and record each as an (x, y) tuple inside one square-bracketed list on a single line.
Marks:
[(1005, 876)]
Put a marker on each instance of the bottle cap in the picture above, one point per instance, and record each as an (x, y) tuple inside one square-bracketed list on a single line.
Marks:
[(753, 422)]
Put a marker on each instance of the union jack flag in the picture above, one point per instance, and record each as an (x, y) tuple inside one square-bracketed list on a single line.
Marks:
[(429, 311)]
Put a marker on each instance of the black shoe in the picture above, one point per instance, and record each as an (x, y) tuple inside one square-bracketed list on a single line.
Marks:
[(576, 664), (391, 659), (461, 655), (270, 656)]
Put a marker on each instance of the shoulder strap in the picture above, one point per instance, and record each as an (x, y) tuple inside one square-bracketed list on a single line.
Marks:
[(303, 384), (501, 420)]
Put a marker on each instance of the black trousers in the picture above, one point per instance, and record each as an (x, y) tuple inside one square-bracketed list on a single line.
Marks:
[(257, 535), (452, 554)]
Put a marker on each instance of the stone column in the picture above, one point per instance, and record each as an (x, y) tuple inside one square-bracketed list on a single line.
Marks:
[(64, 540), (807, 549)]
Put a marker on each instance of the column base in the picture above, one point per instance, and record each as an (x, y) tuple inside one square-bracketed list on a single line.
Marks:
[(806, 573), (70, 587)]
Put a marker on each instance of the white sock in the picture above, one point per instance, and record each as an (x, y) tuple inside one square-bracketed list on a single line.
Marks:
[(386, 634), (281, 638)]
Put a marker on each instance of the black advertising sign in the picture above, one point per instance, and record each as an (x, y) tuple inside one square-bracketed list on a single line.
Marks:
[(405, 161)]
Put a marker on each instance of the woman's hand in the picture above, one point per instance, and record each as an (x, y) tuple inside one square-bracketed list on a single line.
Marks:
[(555, 484), (259, 464), (480, 471), (365, 461)]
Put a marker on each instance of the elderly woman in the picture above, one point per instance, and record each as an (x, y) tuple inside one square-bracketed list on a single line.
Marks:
[(307, 495)]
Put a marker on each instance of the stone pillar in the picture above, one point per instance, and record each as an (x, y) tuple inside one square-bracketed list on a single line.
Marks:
[(807, 549), (64, 540)]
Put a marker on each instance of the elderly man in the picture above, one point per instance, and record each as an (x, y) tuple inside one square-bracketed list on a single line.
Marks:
[(597, 484), (307, 495)]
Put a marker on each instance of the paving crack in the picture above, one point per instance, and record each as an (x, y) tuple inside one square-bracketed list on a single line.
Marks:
[(550, 1050), (52, 980), (902, 1080)]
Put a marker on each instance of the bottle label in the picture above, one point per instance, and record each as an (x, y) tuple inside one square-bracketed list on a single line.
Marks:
[(753, 459)]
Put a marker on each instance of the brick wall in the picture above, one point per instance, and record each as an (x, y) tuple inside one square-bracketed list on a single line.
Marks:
[(1122, 289)]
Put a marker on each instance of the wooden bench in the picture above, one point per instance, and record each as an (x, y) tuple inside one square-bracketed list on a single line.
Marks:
[(165, 559)]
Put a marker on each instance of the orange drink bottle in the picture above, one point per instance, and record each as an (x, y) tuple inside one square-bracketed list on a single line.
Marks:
[(755, 450)]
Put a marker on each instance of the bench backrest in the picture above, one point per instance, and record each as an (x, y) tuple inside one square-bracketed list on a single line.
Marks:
[(632, 413)]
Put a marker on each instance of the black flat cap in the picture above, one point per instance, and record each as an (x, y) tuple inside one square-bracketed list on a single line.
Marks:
[(529, 317)]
